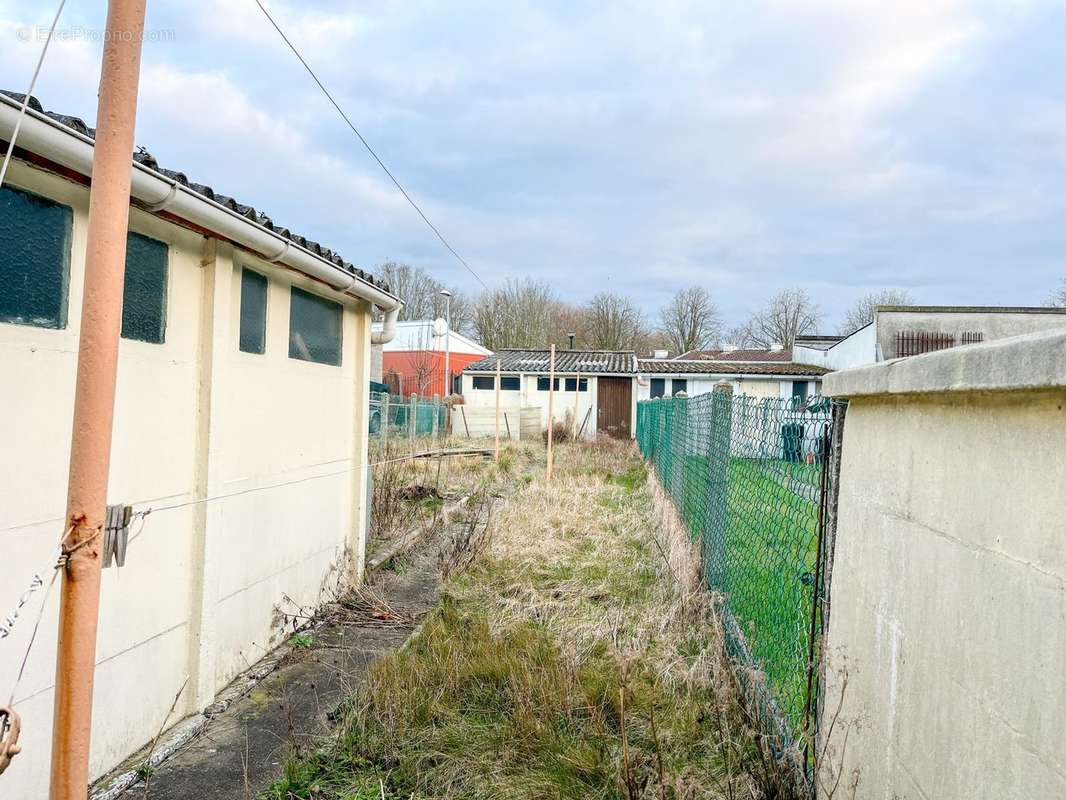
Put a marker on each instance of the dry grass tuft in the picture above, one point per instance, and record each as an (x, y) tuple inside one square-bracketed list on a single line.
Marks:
[(575, 656)]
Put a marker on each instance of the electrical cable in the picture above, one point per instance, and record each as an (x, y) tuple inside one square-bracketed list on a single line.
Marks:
[(366, 144), (29, 93)]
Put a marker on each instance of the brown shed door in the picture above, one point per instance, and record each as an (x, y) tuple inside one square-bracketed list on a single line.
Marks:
[(614, 406)]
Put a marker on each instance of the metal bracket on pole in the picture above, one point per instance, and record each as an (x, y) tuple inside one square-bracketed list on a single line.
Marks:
[(116, 534)]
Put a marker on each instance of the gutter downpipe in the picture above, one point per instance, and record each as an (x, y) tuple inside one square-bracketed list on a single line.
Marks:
[(58, 143), (388, 329)]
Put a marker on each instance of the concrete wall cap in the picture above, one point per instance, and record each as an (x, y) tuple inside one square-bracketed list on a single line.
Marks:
[(1032, 361)]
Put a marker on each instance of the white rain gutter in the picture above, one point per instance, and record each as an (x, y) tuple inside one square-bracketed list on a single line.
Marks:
[(67, 147)]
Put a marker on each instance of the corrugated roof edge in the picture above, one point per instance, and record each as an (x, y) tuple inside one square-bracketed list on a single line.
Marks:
[(145, 160)]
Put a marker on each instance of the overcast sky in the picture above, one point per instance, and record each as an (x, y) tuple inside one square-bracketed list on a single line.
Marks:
[(637, 147)]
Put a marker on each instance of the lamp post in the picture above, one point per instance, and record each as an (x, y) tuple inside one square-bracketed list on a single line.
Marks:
[(447, 341)]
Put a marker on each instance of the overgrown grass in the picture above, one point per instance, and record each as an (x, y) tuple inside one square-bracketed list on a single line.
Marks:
[(765, 549), (575, 658)]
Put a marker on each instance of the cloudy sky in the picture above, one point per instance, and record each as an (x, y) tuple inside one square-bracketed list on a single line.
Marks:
[(637, 147)]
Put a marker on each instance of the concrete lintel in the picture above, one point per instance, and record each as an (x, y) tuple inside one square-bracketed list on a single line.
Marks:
[(1034, 361)]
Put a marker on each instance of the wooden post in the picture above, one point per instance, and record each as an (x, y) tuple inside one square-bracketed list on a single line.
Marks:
[(577, 401), (497, 409), (551, 417)]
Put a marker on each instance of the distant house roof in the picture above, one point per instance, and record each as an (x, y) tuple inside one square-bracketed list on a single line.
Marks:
[(819, 342), (146, 159), (706, 367), (591, 362), (784, 354), (418, 336)]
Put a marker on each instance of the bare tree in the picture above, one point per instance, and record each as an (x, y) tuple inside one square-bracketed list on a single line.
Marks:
[(690, 319), (788, 314), (612, 322), (1057, 298), (862, 312), (569, 320), (738, 335), (413, 285), (423, 365), (421, 296), (519, 314), (462, 310)]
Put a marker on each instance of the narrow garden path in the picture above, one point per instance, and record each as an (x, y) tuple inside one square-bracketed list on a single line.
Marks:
[(571, 655)]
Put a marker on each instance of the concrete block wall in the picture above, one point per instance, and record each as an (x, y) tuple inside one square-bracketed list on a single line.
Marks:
[(948, 598), (194, 418)]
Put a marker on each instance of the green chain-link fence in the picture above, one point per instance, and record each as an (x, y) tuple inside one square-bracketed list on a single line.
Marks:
[(396, 417), (745, 474)]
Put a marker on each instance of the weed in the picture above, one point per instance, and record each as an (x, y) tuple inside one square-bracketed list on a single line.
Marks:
[(301, 641)]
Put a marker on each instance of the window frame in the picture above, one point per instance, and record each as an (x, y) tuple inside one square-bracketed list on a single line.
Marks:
[(544, 382), (296, 291), (674, 388), (59, 322), (799, 398), (510, 383), (482, 379), (661, 387), (245, 270), (576, 384), (164, 298)]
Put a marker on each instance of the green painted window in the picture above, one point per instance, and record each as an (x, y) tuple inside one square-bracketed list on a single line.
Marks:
[(543, 384), (144, 293), (253, 312), (34, 259), (314, 328), (799, 391), (510, 384)]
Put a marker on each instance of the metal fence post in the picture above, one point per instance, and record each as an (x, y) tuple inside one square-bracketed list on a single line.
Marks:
[(436, 416), (412, 417), (714, 542), (385, 422)]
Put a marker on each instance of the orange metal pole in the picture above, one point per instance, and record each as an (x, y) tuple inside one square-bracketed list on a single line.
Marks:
[(94, 403)]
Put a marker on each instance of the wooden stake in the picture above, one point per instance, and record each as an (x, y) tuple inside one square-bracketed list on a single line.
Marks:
[(497, 409), (551, 417), (577, 401)]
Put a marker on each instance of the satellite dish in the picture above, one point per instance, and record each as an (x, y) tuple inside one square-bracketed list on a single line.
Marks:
[(440, 327)]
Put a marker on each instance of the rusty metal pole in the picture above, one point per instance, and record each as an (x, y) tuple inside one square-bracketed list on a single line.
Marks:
[(94, 402)]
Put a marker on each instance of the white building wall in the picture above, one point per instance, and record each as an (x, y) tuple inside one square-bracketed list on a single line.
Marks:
[(581, 404), (194, 417), (856, 350), (751, 386), (948, 589)]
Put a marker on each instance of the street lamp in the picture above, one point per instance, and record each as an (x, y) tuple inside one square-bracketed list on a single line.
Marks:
[(447, 340)]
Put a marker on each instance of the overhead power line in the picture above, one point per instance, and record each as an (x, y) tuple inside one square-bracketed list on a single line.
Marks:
[(366, 144), (29, 93)]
